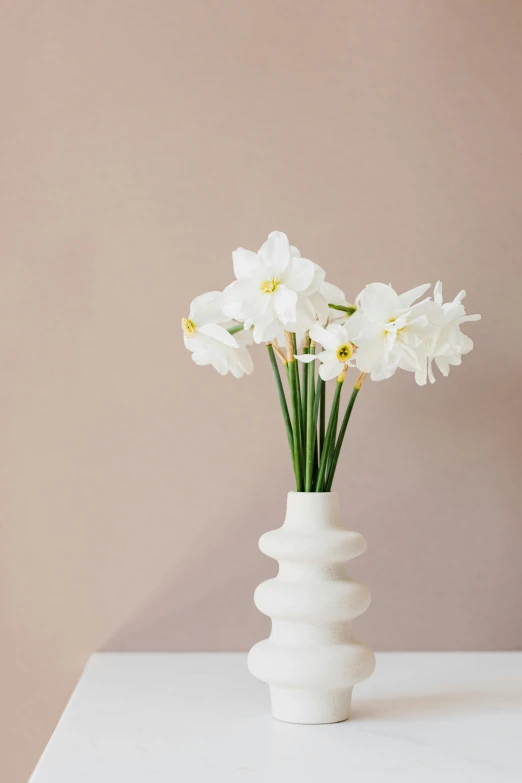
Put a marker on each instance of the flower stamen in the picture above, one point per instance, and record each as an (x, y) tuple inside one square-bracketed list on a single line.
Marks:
[(269, 286), (189, 327), (344, 352)]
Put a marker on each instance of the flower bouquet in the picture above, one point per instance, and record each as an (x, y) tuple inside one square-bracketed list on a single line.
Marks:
[(311, 660)]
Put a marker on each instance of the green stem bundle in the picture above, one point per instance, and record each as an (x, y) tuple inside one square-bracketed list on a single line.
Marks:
[(333, 464), (282, 398), (330, 434), (311, 423), (295, 396), (314, 447), (322, 419)]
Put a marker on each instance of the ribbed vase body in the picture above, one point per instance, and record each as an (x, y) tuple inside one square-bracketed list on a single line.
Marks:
[(311, 661)]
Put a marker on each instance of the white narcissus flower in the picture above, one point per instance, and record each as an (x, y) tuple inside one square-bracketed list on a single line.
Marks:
[(268, 291), (390, 331), (338, 349), (206, 337), (447, 346)]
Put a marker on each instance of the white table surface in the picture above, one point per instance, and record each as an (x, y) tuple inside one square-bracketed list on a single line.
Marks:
[(201, 717)]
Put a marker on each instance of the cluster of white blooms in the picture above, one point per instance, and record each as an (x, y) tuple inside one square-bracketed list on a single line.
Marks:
[(276, 291), (389, 331)]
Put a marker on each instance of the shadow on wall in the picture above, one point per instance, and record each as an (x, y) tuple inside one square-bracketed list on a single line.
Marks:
[(176, 615), (415, 560)]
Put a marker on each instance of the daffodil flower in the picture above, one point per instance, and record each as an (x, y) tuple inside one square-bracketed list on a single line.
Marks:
[(390, 332), (207, 337), (266, 293), (337, 353), (448, 344)]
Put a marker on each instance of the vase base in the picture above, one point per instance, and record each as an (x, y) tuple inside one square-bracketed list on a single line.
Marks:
[(298, 705)]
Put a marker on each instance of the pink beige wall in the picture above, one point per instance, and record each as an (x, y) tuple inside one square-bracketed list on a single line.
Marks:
[(141, 142)]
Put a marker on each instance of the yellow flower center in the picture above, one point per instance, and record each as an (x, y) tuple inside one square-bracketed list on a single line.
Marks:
[(344, 352), (399, 333), (189, 327), (269, 286)]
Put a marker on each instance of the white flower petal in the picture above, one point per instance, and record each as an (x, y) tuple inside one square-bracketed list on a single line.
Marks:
[(317, 280), (416, 323), (190, 343), (370, 335), (244, 299), (299, 274), (326, 356), (320, 305), (219, 334), (356, 324), (284, 303), (369, 357), (330, 370), (247, 264), (207, 308), (266, 329), (409, 297), (276, 253), (339, 332), (220, 364), (325, 337), (378, 301), (466, 344), (305, 358), (409, 359), (201, 358), (333, 294), (421, 375), (304, 316), (443, 365), (243, 364)]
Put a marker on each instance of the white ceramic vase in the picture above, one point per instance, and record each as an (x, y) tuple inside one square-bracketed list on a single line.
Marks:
[(311, 661)]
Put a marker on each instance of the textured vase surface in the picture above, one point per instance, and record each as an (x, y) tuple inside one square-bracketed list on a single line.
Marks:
[(311, 661)]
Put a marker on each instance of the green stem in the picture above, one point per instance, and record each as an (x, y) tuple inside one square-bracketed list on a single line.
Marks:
[(331, 448), (293, 378), (319, 393), (236, 328), (350, 310), (304, 398), (282, 397), (310, 428), (322, 420), (330, 434), (317, 399), (342, 431), (299, 399)]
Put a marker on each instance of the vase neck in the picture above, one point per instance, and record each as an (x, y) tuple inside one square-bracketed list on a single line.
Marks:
[(312, 510)]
